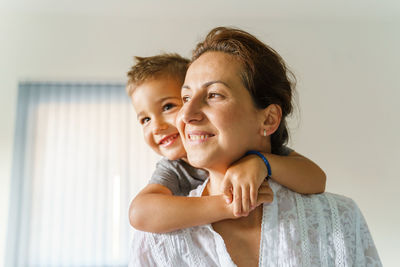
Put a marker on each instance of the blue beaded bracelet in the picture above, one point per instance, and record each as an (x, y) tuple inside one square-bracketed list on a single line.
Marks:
[(253, 152)]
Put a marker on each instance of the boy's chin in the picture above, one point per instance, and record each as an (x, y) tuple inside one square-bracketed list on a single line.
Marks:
[(173, 155)]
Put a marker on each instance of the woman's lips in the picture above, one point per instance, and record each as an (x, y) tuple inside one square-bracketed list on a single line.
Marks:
[(168, 140), (199, 137)]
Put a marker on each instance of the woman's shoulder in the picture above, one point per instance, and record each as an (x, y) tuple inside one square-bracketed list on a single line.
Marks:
[(328, 200), (332, 208), (327, 221)]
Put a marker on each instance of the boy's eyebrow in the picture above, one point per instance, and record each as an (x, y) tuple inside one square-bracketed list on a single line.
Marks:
[(139, 114), (207, 84), (166, 98)]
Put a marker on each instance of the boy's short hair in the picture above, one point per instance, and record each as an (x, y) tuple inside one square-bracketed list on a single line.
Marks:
[(145, 68)]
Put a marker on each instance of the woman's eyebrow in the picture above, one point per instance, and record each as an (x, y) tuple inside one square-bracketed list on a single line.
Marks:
[(207, 84)]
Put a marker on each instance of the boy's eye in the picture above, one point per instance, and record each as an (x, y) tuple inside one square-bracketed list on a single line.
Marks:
[(185, 99), (144, 120), (168, 106)]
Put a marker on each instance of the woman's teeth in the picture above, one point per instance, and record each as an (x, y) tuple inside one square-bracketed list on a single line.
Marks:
[(199, 137)]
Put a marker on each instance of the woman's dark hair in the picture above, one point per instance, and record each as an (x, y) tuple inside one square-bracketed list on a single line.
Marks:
[(264, 73)]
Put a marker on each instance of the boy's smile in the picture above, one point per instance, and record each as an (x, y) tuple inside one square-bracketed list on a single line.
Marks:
[(168, 140), (157, 102)]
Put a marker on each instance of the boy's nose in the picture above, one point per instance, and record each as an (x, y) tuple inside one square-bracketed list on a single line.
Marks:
[(159, 126)]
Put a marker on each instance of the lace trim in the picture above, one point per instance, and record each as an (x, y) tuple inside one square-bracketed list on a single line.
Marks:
[(157, 256), (192, 247), (224, 257), (269, 252), (337, 233), (322, 230), (168, 248), (305, 242), (260, 255), (359, 260)]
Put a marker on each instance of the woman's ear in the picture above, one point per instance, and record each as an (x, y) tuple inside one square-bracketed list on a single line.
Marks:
[(272, 116)]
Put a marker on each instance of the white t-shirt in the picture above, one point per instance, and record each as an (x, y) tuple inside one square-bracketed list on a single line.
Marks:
[(297, 230)]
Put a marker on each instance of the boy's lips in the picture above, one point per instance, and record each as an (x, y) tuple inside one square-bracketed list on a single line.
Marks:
[(168, 140)]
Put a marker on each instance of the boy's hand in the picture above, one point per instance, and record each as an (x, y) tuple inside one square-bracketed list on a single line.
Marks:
[(242, 182), (265, 195)]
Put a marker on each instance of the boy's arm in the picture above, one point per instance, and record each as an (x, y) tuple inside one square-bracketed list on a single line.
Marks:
[(297, 173), (245, 176), (156, 210)]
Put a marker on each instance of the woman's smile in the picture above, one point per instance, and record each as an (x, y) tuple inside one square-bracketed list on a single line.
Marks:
[(218, 116), (198, 137)]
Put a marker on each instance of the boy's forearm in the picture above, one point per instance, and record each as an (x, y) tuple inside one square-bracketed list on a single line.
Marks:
[(160, 213), (297, 173)]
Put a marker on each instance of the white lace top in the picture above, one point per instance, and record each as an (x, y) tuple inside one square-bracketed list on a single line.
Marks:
[(297, 230)]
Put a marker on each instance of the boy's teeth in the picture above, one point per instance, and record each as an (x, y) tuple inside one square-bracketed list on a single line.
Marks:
[(168, 140)]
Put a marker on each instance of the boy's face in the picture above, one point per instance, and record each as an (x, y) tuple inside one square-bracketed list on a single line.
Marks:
[(157, 102)]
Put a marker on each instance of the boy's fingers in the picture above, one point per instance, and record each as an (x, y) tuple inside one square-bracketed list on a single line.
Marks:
[(264, 187), (228, 197), (237, 201), (265, 198), (265, 190), (227, 190), (265, 183), (245, 200), (253, 197)]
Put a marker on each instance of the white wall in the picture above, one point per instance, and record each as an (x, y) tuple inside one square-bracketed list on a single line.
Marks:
[(347, 65)]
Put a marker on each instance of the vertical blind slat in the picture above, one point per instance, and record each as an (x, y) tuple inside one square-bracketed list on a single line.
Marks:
[(79, 158)]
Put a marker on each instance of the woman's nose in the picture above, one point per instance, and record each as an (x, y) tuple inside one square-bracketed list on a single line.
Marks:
[(191, 111)]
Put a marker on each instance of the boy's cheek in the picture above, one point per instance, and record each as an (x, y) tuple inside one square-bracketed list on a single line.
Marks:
[(148, 138)]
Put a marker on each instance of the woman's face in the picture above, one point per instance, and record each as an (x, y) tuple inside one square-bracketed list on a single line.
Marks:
[(218, 122)]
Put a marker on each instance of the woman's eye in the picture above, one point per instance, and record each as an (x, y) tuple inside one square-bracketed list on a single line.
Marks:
[(168, 106), (144, 120), (185, 99), (215, 95)]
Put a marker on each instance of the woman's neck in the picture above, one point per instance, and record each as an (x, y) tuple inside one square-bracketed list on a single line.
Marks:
[(217, 171), (214, 184)]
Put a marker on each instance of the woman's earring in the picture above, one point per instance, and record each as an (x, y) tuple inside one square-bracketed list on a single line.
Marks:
[(265, 132)]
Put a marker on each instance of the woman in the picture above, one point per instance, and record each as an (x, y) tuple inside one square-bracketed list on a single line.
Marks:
[(236, 98)]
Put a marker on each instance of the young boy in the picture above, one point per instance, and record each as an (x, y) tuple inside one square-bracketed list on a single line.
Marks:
[(154, 85)]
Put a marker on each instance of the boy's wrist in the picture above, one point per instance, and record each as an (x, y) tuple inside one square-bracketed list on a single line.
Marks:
[(263, 170), (262, 157)]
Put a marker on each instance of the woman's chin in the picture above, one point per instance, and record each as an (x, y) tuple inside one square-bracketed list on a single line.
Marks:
[(199, 160), (211, 163)]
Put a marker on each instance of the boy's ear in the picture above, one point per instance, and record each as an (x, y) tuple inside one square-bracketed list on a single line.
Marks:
[(271, 117)]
